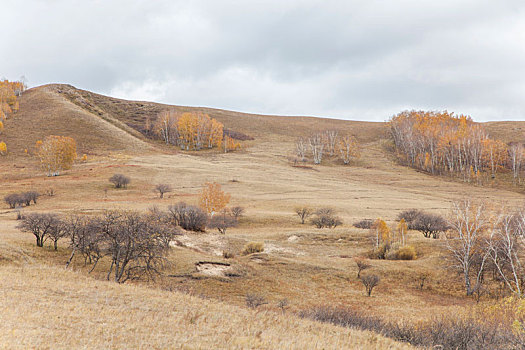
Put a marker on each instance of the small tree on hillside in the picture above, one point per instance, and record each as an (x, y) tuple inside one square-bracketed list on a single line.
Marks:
[(237, 211), (120, 181), (430, 225), (361, 266), (40, 225), (349, 149), (222, 222), (56, 153), (303, 213), (212, 198), (163, 188), (370, 282)]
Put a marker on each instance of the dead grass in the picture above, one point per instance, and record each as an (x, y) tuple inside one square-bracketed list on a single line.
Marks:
[(46, 307), (305, 265)]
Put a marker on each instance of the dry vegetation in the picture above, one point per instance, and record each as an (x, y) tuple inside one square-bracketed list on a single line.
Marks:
[(301, 267)]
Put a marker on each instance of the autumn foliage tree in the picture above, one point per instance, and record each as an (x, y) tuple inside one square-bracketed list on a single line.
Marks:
[(349, 149), (56, 153), (444, 143), (212, 198), (3, 149)]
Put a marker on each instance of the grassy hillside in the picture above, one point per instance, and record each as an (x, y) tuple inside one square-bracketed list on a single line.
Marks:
[(305, 265)]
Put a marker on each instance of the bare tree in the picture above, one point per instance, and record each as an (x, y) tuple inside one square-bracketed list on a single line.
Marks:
[(163, 188), (370, 282), (237, 212), (466, 241), (57, 232), (330, 140), (222, 222), (40, 225), (188, 217), (361, 266), (303, 213), (317, 147), (325, 217), (431, 225), (120, 181), (516, 158), (13, 200), (301, 147), (506, 248)]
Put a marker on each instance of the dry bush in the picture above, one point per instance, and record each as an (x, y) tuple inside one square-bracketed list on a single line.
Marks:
[(253, 247), (13, 200), (120, 181), (450, 333), (222, 222), (370, 282), (253, 301), (189, 217), (364, 224), (407, 252), (325, 217), (409, 215), (228, 254), (431, 225)]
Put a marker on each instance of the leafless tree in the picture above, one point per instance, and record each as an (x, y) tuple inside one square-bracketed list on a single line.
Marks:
[(222, 222), (32, 196), (85, 235), (163, 188), (237, 212), (301, 148), (188, 217), (120, 181), (410, 216), (370, 282), (466, 241), (516, 159), (303, 213), (40, 225), (13, 200), (166, 126), (506, 248), (325, 217), (134, 245), (361, 266), (431, 225), (57, 232), (330, 139), (317, 147)]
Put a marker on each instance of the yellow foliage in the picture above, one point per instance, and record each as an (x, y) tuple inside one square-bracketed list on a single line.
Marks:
[(56, 153), (230, 144), (198, 130), (84, 158), (212, 198), (381, 232), (3, 148), (1, 126)]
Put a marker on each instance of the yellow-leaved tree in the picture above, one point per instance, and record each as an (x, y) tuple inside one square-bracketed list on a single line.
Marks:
[(56, 153), (212, 198), (402, 229), (381, 232), (1, 127), (3, 148)]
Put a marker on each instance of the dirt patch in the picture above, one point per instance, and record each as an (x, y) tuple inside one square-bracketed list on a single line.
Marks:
[(213, 268)]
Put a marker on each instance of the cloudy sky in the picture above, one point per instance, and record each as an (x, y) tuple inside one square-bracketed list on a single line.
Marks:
[(362, 60)]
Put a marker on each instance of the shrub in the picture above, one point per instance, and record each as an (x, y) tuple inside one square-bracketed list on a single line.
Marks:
[(222, 222), (429, 224), (13, 200), (407, 252), (325, 217), (189, 217), (361, 265), (253, 247), (32, 196), (379, 252), (364, 224), (120, 181), (253, 301), (409, 215), (227, 254), (303, 213)]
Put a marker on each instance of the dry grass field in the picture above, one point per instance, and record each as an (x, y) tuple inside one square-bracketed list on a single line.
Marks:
[(43, 305)]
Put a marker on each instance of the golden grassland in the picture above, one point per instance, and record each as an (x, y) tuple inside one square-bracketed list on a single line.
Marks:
[(305, 265)]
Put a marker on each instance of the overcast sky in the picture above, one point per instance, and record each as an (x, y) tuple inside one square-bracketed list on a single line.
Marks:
[(362, 60)]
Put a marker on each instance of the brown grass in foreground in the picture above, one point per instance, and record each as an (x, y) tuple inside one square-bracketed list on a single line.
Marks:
[(46, 307)]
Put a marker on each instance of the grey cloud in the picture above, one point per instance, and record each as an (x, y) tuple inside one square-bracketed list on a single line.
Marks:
[(344, 59)]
